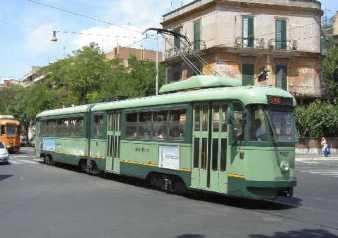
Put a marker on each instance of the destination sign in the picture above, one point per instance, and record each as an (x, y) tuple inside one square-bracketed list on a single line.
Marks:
[(279, 101)]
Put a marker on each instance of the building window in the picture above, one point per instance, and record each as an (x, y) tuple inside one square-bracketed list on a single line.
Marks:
[(177, 39), (177, 72), (280, 34), (281, 76), (248, 71), (248, 31), (197, 35)]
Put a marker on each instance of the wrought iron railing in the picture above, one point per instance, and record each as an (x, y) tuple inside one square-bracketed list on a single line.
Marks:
[(258, 43), (185, 49), (290, 45), (261, 43)]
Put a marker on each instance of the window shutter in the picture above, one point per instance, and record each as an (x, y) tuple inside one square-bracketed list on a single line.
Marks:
[(197, 35)]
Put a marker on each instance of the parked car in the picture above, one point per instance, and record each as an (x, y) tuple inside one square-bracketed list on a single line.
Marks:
[(3, 154)]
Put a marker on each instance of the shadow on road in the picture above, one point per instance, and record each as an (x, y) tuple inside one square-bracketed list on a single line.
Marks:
[(190, 236), (305, 233), (246, 203), (283, 204), (218, 198), (5, 176)]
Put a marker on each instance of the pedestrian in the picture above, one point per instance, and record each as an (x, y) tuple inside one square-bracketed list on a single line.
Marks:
[(325, 147)]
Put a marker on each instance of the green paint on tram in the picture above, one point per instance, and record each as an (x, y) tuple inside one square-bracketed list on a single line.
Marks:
[(204, 134)]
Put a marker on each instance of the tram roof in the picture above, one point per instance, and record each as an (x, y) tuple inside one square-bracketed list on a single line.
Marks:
[(64, 111), (245, 94), (6, 117), (200, 82)]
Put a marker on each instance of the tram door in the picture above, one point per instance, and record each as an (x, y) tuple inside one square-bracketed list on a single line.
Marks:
[(210, 147), (113, 142)]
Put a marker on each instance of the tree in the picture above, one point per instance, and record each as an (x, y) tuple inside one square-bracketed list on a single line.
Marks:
[(80, 75), (330, 74), (86, 76), (317, 119)]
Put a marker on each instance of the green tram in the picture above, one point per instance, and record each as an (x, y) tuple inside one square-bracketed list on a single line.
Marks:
[(206, 133)]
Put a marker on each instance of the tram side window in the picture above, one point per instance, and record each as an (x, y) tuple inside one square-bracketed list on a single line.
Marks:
[(65, 127), (156, 125), (197, 118), (160, 125), (98, 129), (177, 122), (131, 130), (145, 125), (238, 113), (216, 119)]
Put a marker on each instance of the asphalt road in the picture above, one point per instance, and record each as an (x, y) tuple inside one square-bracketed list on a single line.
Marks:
[(40, 201)]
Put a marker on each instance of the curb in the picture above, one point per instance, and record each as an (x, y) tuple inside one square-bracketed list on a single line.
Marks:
[(317, 158)]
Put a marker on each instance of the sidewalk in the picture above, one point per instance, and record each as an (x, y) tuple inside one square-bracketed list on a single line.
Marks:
[(316, 156)]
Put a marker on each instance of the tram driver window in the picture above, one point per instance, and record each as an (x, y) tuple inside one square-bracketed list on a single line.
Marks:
[(259, 130)]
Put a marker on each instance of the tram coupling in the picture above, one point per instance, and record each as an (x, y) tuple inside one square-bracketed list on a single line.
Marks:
[(287, 192)]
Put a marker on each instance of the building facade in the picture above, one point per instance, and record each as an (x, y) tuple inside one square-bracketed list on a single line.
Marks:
[(261, 42), (32, 77), (6, 82), (124, 53)]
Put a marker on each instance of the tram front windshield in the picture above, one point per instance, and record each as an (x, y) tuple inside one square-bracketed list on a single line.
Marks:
[(271, 123), (11, 130)]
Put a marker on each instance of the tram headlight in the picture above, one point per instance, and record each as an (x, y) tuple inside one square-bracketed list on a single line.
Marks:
[(285, 166)]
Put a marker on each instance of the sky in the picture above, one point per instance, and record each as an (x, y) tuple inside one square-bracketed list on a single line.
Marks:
[(26, 28)]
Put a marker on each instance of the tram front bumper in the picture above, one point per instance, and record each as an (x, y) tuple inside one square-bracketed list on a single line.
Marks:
[(260, 189)]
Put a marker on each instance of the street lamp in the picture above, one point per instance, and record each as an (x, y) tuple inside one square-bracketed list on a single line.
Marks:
[(54, 38)]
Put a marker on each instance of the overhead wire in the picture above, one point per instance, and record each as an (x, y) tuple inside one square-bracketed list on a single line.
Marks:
[(80, 15)]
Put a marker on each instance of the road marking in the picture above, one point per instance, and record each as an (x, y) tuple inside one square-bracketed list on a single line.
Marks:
[(330, 173), (317, 159), (38, 160), (28, 161), (14, 162), (20, 156), (309, 162)]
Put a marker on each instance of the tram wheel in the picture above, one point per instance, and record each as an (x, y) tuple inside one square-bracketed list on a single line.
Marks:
[(92, 168), (83, 165), (49, 160), (179, 186)]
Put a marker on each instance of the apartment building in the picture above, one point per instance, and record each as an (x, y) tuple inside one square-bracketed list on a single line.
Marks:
[(124, 53), (260, 42), (33, 76)]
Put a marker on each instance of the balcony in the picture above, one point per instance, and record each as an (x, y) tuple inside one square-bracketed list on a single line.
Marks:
[(251, 44), (289, 45), (186, 50)]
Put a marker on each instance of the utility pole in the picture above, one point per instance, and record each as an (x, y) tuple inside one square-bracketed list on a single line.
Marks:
[(157, 68)]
